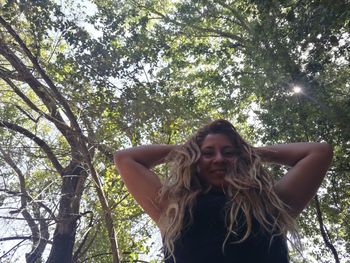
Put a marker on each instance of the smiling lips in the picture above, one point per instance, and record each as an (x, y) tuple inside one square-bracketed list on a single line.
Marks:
[(219, 171)]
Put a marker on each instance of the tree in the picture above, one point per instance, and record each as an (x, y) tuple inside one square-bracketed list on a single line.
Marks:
[(256, 52), (153, 72), (22, 72)]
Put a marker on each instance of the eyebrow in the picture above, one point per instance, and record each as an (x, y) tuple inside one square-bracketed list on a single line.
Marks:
[(225, 147)]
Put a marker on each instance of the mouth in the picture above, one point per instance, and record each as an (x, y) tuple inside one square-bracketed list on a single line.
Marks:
[(218, 171)]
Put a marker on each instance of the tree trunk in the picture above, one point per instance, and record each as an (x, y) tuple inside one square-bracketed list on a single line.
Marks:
[(64, 235)]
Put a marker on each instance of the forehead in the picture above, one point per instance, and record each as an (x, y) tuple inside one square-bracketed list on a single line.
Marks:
[(216, 140)]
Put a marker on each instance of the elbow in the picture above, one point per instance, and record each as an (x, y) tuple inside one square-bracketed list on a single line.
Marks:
[(327, 152), (123, 157), (118, 156)]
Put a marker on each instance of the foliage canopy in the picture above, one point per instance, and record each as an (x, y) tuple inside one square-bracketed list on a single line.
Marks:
[(80, 79)]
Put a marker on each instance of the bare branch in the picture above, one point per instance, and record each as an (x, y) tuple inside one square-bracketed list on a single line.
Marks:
[(78, 252), (18, 237), (62, 126), (14, 247), (104, 204), (10, 74), (14, 238), (323, 230), (40, 241), (43, 74), (42, 92), (21, 219), (43, 145), (27, 114), (39, 235), (10, 191), (87, 247)]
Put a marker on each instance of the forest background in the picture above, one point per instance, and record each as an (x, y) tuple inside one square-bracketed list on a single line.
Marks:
[(80, 79)]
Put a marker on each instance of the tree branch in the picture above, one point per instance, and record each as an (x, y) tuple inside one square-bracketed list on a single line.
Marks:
[(62, 126), (15, 246), (10, 74), (323, 231), (104, 204), (78, 252), (31, 223), (16, 193), (21, 219), (242, 22), (42, 92), (14, 238), (43, 74), (192, 26), (87, 247), (43, 145), (40, 245)]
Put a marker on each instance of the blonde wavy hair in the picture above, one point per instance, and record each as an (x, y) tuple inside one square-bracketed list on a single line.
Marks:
[(249, 188)]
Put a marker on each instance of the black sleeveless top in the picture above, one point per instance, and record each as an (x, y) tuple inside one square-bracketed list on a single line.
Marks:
[(202, 241)]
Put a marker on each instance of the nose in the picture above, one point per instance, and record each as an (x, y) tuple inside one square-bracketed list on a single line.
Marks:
[(218, 157)]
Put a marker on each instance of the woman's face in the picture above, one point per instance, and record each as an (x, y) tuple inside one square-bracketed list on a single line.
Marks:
[(218, 156)]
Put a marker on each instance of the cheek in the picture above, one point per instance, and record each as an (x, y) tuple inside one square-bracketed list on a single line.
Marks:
[(201, 164), (232, 162), (202, 169)]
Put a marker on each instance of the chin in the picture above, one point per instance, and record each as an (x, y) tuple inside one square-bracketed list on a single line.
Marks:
[(218, 184), (222, 184)]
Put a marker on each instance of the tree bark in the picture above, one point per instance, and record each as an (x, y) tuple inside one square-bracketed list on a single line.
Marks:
[(64, 235)]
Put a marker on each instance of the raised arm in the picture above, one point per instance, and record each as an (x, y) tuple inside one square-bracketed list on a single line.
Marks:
[(134, 165), (309, 163)]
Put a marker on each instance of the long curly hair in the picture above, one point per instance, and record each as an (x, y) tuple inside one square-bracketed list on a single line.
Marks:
[(248, 187)]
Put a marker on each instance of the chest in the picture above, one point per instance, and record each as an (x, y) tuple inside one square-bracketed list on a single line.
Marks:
[(204, 240)]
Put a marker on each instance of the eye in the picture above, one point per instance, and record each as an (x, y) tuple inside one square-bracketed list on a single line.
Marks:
[(207, 153), (229, 152)]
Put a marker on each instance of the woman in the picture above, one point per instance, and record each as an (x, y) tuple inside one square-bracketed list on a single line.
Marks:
[(218, 203)]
